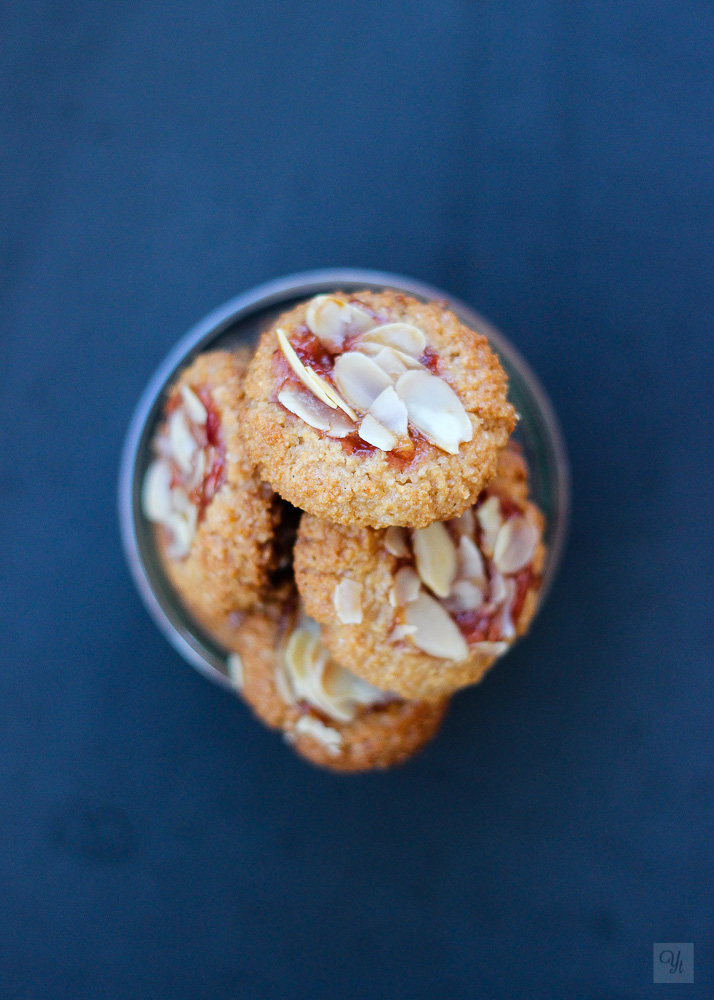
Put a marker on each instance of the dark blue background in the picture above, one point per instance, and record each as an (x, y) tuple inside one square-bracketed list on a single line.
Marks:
[(549, 162)]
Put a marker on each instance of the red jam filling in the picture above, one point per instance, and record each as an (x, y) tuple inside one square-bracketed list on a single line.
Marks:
[(215, 474), (430, 360), (208, 437), (485, 626), (313, 353)]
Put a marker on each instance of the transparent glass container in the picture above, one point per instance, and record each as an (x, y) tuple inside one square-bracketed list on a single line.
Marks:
[(240, 321)]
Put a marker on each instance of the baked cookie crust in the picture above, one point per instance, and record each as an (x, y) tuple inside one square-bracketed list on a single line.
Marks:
[(376, 600), (346, 478), (378, 737), (224, 536)]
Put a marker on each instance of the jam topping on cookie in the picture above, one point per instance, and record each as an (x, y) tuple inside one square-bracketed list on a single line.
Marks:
[(459, 586), (189, 467), (355, 376)]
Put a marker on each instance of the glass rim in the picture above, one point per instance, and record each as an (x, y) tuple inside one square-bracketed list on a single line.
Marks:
[(167, 612)]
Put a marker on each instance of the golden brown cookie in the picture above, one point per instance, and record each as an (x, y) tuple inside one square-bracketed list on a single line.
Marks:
[(376, 409), (224, 536), (427, 611), (326, 714)]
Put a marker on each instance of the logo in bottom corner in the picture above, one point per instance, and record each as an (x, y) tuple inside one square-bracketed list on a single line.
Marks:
[(673, 962)]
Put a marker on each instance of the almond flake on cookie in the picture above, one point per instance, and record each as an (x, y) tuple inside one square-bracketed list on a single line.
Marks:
[(405, 588), (332, 319), (315, 413), (400, 336), (490, 520), (395, 542), (194, 407), (436, 631), (347, 599), (376, 434), (515, 544), (308, 725), (435, 555), (391, 412), (435, 410), (359, 379), (309, 378), (313, 677)]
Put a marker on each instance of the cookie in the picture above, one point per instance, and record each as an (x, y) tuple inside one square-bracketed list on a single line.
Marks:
[(328, 715), (376, 409), (426, 611), (224, 537)]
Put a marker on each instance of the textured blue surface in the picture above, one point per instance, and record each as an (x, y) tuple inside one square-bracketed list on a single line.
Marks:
[(549, 162)]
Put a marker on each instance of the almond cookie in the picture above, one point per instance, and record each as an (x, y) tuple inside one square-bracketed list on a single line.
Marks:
[(425, 611), (224, 537), (327, 714), (376, 409)]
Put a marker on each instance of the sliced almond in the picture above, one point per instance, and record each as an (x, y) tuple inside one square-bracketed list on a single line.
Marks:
[(405, 588), (315, 413), (181, 504), (283, 686), (392, 360), (490, 648), (328, 318), (465, 524), (331, 394), (309, 378), (490, 520), (402, 336), (301, 370), (465, 596), (395, 542), (331, 739), (332, 318), (347, 599), (315, 678), (374, 433), (391, 412), (360, 319), (515, 544), (199, 469), (183, 444), (235, 670), (340, 425), (401, 632), (436, 632), (471, 565), (508, 629), (170, 507), (435, 556), (156, 492), (349, 691), (305, 659), (435, 410), (304, 405), (359, 379), (197, 412), (300, 652), (183, 530), (499, 591)]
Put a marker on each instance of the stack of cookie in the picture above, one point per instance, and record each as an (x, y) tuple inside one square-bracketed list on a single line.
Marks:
[(345, 512)]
